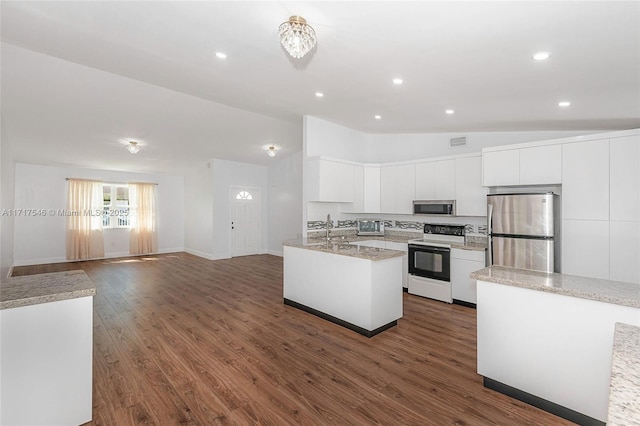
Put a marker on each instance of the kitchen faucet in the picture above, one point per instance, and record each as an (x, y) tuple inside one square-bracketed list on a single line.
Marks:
[(329, 225)]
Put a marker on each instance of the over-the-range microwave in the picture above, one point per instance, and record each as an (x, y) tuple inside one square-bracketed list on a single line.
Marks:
[(435, 207)]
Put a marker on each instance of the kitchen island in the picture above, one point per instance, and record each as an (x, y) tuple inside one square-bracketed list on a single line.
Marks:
[(358, 287), (547, 339), (46, 349)]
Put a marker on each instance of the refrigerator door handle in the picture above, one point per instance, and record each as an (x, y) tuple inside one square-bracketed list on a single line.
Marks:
[(489, 232)]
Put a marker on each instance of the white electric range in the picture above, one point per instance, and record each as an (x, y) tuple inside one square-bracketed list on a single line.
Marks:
[(430, 261)]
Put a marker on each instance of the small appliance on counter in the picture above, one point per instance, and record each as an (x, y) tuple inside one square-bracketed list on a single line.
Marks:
[(435, 207), (430, 261), (373, 227), (523, 231)]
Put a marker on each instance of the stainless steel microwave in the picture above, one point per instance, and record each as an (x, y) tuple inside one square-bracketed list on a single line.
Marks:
[(370, 227), (435, 207)]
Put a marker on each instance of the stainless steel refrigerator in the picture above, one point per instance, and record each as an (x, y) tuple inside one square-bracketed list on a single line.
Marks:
[(523, 231)]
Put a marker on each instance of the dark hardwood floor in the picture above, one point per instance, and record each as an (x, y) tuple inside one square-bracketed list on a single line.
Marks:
[(183, 340)]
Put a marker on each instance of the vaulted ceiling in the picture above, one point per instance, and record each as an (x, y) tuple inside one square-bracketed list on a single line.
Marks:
[(81, 78)]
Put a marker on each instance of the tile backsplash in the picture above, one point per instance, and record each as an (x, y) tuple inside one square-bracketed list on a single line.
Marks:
[(396, 225)]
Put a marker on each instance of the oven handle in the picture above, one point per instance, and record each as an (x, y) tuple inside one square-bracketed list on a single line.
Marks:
[(429, 248)]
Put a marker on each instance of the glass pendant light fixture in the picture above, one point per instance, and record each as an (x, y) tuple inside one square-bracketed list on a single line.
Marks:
[(133, 147), (297, 37), (271, 151)]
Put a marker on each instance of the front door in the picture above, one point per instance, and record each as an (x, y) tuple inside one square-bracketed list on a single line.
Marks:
[(245, 221)]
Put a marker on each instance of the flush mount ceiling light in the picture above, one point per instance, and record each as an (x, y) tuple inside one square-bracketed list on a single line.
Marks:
[(564, 104), (133, 147), (449, 111), (397, 81), (271, 150), (297, 37)]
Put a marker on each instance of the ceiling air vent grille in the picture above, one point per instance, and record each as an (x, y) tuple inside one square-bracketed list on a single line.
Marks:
[(458, 142)]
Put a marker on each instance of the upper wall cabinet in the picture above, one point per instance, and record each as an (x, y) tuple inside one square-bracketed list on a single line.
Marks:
[(585, 180), (500, 168), (471, 196), (366, 190), (538, 165), (625, 178), (330, 181), (435, 180), (397, 188)]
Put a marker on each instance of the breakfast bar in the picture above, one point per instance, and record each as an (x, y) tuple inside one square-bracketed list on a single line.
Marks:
[(46, 349), (355, 286), (547, 339)]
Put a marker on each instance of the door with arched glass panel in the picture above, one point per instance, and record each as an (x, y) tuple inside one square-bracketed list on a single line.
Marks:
[(245, 220)]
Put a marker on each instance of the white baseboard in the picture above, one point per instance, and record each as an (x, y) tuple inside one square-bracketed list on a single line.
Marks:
[(276, 253)]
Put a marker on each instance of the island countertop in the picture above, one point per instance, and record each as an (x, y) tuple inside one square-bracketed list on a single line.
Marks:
[(625, 376), (28, 290), (345, 248), (616, 292)]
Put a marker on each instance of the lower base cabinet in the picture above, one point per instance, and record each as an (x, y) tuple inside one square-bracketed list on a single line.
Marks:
[(464, 262)]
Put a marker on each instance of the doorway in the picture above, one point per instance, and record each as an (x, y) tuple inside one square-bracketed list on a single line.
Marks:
[(245, 220)]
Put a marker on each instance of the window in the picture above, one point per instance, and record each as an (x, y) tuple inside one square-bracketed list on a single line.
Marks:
[(244, 195), (117, 210)]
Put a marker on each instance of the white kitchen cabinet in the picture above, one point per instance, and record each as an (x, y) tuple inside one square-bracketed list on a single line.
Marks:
[(624, 255), (471, 196), (366, 190), (397, 188), (585, 248), (536, 165), (371, 189), (435, 180), (392, 245), (464, 262), (329, 181), (585, 180), (625, 178), (501, 168), (541, 165)]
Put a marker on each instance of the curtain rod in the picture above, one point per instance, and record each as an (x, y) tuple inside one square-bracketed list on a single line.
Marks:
[(117, 183)]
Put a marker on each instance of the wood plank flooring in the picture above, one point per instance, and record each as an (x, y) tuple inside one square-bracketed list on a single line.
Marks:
[(183, 340)]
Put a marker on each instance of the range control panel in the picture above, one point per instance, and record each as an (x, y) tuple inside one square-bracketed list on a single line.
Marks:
[(444, 229)]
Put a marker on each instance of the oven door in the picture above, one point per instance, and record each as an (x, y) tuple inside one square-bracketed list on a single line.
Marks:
[(430, 262)]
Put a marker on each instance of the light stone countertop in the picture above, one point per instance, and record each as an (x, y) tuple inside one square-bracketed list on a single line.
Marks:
[(28, 290), (478, 244), (624, 393), (616, 292), (344, 248)]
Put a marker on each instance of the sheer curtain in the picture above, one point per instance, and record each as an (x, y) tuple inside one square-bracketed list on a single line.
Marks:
[(144, 235), (84, 220)]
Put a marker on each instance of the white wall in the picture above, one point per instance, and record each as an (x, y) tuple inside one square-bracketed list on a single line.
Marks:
[(6, 203), (198, 211), (225, 175), (285, 201), (409, 146), (41, 239), (332, 140)]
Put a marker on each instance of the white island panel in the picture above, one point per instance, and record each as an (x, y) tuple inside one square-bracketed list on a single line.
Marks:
[(362, 292), (548, 345), (46, 363)]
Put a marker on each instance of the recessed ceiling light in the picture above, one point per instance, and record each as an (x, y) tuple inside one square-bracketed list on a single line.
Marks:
[(221, 55), (319, 94), (449, 111), (564, 104), (397, 81), (541, 56), (377, 117)]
